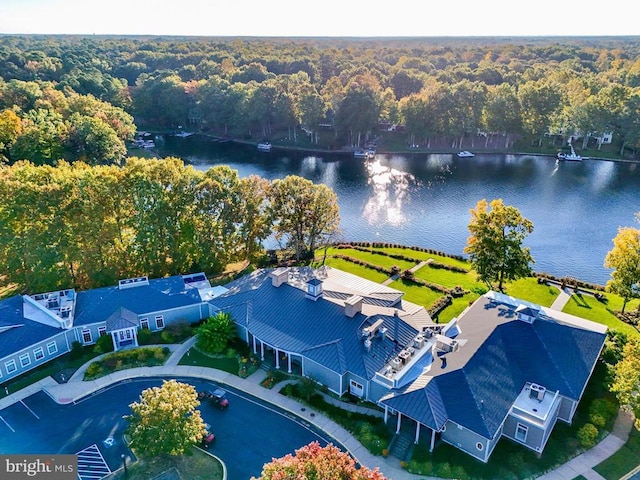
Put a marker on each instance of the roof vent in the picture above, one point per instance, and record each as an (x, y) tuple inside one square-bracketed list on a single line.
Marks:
[(279, 276), (537, 392), (133, 282)]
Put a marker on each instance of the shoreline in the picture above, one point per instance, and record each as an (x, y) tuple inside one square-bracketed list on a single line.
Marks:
[(408, 152)]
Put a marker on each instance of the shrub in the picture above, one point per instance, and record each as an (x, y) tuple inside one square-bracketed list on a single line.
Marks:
[(144, 336), (93, 370), (104, 344), (587, 435), (77, 350)]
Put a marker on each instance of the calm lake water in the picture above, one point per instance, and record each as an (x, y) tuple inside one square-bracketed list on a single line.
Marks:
[(424, 199)]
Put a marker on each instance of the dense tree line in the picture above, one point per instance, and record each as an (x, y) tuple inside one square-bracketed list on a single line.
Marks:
[(86, 226), (262, 87)]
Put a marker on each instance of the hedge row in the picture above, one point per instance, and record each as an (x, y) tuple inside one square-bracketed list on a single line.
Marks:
[(396, 245)]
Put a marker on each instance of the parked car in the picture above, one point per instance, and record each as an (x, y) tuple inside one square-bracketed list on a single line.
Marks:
[(217, 397), (208, 437)]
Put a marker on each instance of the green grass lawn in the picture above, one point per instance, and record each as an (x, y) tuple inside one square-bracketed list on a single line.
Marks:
[(586, 306), (225, 363), (530, 290), (359, 270), (374, 258), (623, 461), (196, 465)]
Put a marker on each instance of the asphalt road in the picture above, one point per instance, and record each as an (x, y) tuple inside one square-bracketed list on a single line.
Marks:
[(249, 433)]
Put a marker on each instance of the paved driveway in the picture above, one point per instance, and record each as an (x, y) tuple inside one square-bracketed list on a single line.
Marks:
[(249, 432)]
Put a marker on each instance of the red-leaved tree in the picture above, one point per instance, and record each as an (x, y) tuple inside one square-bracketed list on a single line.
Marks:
[(313, 462)]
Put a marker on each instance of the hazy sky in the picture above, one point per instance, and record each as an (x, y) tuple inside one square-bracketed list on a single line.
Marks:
[(320, 17)]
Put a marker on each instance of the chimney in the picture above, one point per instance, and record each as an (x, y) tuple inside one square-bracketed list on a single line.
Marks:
[(353, 306), (314, 289), (279, 276)]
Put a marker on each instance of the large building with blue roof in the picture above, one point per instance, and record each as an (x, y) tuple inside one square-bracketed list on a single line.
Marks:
[(503, 368)]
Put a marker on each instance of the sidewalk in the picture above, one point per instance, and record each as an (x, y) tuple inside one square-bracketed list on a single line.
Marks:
[(76, 389)]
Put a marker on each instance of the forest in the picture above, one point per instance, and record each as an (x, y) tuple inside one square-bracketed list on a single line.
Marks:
[(81, 98), (78, 208)]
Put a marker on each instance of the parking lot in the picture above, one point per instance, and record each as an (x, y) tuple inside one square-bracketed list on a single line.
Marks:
[(248, 432)]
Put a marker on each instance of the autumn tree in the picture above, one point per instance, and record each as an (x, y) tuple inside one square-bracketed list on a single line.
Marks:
[(495, 244), (624, 258), (304, 213), (313, 462), (214, 334), (626, 380), (166, 420)]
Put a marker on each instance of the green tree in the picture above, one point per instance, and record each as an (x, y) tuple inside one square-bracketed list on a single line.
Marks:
[(313, 462), (495, 244), (166, 420), (214, 334), (626, 380), (624, 258), (10, 130), (304, 213)]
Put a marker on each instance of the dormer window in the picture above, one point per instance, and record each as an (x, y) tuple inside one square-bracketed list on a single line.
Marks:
[(314, 289)]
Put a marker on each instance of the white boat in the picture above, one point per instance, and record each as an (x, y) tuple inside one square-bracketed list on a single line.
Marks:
[(569, 157), (183, 134), (362, 153), (264, 146), (465, 154)]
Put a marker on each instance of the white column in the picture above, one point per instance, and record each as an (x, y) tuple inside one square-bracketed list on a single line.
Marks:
[(277, 358), (262, 351), (255, 348), (433, 440), (114, 337), (289, 362), (386, 414), (134, 332), (417, 439), (399, 422)]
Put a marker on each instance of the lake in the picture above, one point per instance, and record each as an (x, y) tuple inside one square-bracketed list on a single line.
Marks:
[(424, 199)]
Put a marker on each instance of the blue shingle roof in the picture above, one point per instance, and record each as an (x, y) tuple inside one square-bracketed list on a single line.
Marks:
[(161, 294), (19, 332)]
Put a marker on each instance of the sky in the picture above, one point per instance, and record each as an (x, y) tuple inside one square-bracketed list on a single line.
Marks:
[(320, 18)]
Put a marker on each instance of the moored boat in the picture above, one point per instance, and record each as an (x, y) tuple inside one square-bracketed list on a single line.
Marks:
[(569, 157), (465, 154), (264, 146)]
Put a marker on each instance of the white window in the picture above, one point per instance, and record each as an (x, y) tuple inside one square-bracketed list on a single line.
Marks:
[(25, 359), (521, 432), (144, 323), (52, 348), (356, 389), (10, 366), (102, 331), (38, 353), (159, 322), (86, 336)]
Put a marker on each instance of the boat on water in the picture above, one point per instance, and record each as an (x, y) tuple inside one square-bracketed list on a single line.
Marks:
[(183, 134), (264, 146), (465, 154), (569, 157), (364, 153)]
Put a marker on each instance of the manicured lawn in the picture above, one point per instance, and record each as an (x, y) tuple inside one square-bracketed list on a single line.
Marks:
[(374, 258), (448, 278), (586, 306), (196, 465), (530, 290), (623, 461), (416, 293), (359, 270), (224, 363)]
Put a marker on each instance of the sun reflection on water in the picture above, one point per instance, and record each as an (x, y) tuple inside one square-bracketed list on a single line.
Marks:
[(389, 195)]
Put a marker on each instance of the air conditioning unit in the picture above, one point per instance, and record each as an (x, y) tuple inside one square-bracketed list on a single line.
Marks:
[(418, 342), (537, 391)]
